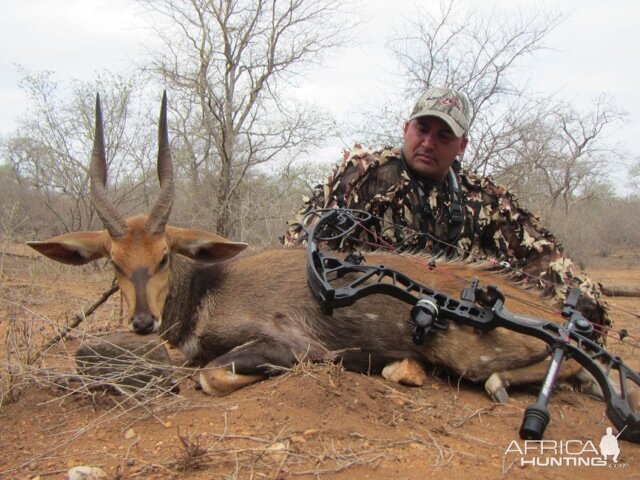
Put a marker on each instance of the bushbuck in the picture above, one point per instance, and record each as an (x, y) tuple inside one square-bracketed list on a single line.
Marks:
[(243, 318)]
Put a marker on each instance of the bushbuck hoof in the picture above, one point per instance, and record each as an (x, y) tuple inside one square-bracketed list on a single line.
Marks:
[(496, 389), (588, 385), (219, 381), (407, 372)]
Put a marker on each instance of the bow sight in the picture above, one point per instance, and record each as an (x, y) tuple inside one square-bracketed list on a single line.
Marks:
[(482, 308)]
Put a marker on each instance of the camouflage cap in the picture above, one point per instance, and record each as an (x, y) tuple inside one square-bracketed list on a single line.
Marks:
[(447, 104)]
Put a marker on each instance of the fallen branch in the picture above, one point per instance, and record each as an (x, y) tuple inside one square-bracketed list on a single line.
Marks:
[(22, 255), (77, 320), (620, 290)]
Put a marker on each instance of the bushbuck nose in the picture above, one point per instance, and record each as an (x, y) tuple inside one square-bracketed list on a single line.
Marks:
[(143, 323)]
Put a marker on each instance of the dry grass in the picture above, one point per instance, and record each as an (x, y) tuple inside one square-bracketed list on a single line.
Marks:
[(440, 433)]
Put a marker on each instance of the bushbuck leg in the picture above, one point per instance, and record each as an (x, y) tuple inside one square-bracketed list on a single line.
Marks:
[(497, 384), (247, 364)]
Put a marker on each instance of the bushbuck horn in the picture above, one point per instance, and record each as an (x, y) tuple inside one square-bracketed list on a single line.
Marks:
[(162, 208), (112, 220)]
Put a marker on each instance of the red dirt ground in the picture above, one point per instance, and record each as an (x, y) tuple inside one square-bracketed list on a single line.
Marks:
[(312, 422)]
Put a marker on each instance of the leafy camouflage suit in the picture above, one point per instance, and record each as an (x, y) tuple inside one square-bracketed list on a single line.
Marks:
[(492, 226)]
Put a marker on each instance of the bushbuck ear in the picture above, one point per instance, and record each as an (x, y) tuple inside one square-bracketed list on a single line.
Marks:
[(202, 246), (75, 248)]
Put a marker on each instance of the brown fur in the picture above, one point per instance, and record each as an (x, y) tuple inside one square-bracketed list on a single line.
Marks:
[(264, 309)]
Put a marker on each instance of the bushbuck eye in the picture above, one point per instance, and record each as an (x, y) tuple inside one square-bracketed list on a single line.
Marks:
[(163, 262)]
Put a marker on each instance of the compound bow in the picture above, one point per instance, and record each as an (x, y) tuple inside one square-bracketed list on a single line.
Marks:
[(481, 308)]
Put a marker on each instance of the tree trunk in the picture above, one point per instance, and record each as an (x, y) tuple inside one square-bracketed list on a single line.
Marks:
[(224, 187)]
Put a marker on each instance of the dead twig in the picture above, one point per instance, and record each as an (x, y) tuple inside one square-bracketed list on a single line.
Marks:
[(445, 454), (22, 255), (478, 413), (507, 466), (77, 320), (368, 461), (469, 438), (193, 453)]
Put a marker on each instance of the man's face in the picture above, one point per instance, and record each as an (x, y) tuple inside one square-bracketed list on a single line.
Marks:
[(430, 147)]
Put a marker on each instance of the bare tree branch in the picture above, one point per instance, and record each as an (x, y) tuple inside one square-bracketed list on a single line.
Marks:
[(224, 60), (50, 151)]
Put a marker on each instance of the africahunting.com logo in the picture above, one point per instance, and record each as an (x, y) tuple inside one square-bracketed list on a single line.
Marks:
[(568, 453)]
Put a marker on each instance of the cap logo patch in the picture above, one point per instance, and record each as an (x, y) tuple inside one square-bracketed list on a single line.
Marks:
[(450, 101)]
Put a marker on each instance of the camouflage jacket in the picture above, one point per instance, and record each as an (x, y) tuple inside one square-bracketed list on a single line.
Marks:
[(493, 226)]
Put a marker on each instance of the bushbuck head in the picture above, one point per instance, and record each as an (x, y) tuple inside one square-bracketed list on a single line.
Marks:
[(140, 248)]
